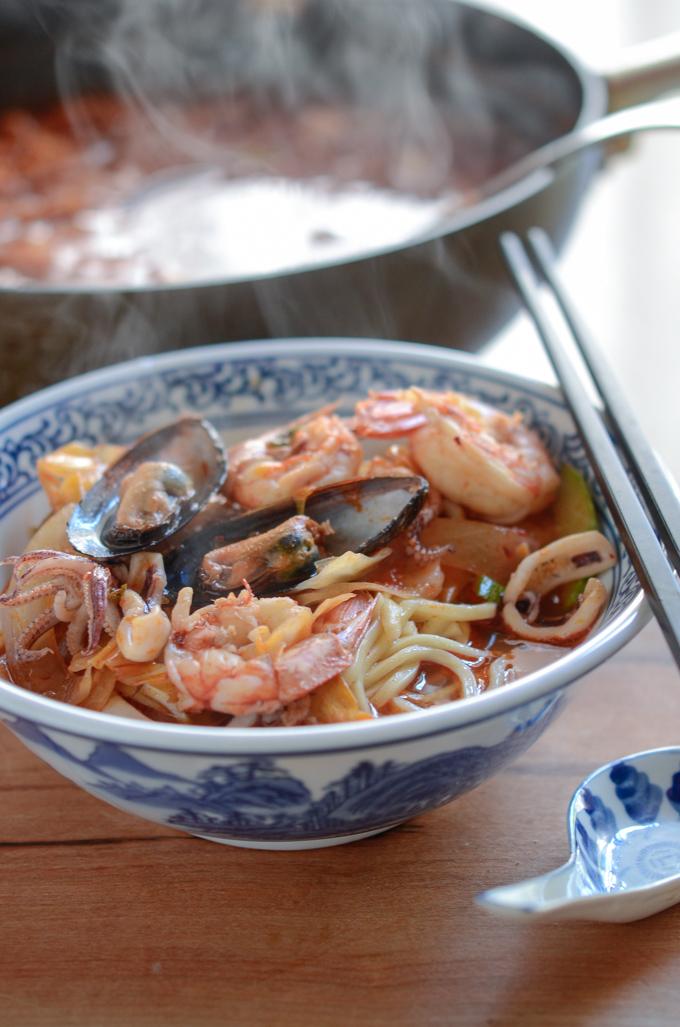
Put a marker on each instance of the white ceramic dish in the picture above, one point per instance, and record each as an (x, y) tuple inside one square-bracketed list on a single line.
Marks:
[(286, 787)]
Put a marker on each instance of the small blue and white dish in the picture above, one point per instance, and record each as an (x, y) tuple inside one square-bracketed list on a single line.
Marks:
[(624, 829), (301, 787)]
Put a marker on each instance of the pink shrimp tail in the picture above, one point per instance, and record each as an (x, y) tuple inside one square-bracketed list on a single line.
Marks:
[(386, 415), (349, 621), (310, 663)]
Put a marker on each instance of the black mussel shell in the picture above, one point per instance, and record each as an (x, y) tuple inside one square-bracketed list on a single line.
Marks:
[(192, 445), (364, 513)]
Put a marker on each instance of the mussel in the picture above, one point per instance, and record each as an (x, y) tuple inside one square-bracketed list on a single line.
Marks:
[(278, 546), (155, 489)]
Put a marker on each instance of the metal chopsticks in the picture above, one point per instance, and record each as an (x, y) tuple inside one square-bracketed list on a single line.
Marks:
[(653, 483), (641, 526)]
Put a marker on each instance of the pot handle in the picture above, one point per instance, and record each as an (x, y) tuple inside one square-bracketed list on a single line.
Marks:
[(644, 71)]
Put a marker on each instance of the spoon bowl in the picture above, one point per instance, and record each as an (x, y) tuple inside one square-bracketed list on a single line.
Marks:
[(624, 828)]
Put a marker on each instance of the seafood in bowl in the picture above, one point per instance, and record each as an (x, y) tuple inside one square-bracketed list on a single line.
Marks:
[(374, 605), (326, 605)]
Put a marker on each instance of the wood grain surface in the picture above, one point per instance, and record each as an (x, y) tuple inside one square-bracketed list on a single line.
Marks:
[(110, 920)]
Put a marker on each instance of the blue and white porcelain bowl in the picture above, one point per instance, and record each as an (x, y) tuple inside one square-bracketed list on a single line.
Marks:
[(301, 787)]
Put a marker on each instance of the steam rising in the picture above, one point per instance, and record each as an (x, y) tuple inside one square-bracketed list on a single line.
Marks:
[(417, 96), (400, 65)]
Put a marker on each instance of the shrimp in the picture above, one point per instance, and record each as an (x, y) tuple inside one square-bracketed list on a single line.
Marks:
[(567, 559), (243, 655), (348, 617), (318, 449), (478, 456), (394, 462)]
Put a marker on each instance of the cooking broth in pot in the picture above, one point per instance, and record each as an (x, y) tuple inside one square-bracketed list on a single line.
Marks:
[(122, 207)]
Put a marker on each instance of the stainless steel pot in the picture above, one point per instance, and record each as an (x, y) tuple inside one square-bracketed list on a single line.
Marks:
[(450, 289)]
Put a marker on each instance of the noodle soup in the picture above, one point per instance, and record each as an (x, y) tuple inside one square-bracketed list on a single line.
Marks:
[(283, 626)]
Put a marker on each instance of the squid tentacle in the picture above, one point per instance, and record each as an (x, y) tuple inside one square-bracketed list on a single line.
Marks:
[(95, 595), (31, 634), (420, 553), (80, 588), (76, 631), (18, 598)]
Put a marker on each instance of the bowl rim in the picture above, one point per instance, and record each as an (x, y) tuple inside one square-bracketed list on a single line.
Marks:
[(540, 685)]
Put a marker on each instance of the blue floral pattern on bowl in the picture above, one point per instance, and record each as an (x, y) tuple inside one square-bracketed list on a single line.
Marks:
[(261, 799)]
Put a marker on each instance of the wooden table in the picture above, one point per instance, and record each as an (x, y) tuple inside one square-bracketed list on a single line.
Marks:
[(110, 920), (107, 920)]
